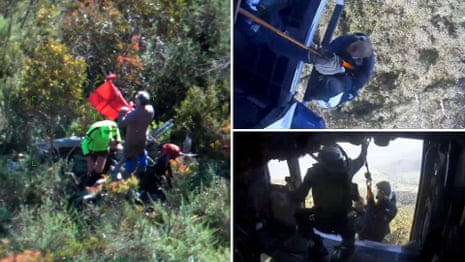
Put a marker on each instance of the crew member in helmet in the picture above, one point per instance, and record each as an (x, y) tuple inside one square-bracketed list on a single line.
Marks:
[(169, 152), (333, 192), (374, 223), (159, 174), (136, 123)]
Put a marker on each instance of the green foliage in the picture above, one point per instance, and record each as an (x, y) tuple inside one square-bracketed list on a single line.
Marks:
[(46, 20), (45, 227), (54, 78), (217, 213), (5, 217), (100, 33), (53, 56), (3, 27), (164, 47), (52, 87), (401, 225), (87, 116), (189, 47), (195, 227), (205, 112), (12, 182)]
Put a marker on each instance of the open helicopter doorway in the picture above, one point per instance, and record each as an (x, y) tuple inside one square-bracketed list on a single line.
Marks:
[(399, 163)]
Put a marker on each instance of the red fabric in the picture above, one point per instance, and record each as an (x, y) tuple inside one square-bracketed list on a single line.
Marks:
[(108, 100)]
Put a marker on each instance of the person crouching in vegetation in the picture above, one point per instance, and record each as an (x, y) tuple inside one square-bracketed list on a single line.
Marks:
[(159, 175), (136, 123), (373, 222), (101, 137)]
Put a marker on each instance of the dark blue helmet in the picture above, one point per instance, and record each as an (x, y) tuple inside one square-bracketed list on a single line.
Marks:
[(330, 153)]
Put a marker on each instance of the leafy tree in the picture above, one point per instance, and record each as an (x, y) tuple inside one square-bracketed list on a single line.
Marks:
[(204, 110), (164, 47), (54, 87), (187, 45), (98, 32), (24, 25), (10, 59)]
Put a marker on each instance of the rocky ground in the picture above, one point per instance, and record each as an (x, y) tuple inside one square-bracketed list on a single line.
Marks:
[(419, 79)]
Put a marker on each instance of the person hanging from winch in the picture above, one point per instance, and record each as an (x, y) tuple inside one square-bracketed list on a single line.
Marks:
[(333, 193), (136, 123), (374, 219), (341, 68), (101, 137), (341, 71)]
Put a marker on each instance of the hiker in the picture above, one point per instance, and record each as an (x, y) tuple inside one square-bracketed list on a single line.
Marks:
[(373, 222), (136, 123), (159, 174), (333, 192), (101, 137)]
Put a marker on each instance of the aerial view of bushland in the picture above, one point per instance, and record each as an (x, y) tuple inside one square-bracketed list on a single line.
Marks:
[(53, 56)]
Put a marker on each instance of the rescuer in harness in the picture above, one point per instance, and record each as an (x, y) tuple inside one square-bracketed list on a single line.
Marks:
[(341, 68), (333, 192), (373, 221), (339, 73), (101, 137)]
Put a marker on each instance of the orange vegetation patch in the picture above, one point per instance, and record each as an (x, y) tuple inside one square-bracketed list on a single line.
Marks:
[(26, 256)]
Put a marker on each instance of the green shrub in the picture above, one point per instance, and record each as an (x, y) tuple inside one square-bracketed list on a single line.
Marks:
[(5, 216), (193, 226), (44, 228), (401, 225)]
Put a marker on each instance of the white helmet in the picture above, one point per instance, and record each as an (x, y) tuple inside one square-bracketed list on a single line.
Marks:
[(143, 97)]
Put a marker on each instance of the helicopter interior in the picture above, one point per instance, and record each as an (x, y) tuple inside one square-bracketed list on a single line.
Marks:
[(264, 226)]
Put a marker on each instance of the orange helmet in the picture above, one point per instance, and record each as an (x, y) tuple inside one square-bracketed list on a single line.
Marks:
[(171, 150)]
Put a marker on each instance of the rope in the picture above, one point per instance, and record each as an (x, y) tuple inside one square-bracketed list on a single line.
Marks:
[(261, 22)]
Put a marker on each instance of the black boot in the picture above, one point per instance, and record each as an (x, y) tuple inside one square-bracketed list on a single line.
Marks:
[(92, 179)]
